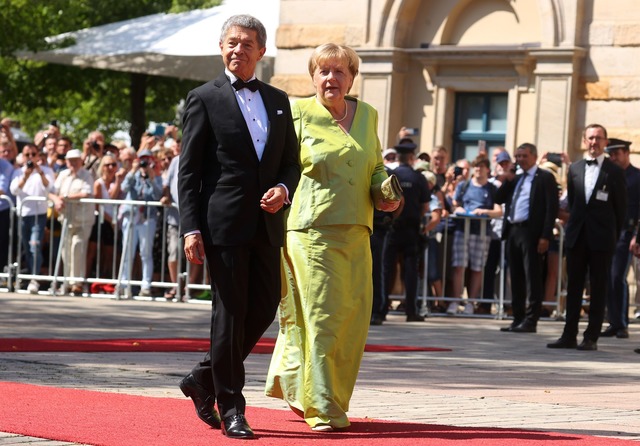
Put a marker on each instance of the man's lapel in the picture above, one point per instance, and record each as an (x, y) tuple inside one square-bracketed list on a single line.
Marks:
[(579, 183), (534, 182)]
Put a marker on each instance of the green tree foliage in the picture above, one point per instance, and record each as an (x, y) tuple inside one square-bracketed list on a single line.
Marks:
[(80, 99)]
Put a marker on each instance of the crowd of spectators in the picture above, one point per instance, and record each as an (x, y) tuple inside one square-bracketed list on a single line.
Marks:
[(45, 179)]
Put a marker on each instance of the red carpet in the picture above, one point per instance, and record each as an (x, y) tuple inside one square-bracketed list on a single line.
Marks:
[(264, 346), (112, 419)]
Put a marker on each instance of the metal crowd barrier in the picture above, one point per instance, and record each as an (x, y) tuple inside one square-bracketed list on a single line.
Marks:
[(52, 270), (424, 298)]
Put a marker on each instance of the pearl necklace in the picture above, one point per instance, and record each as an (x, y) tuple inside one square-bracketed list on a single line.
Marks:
[(346, 112)]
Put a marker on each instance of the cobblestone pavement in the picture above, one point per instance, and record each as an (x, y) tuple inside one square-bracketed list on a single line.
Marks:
[(488, 379)]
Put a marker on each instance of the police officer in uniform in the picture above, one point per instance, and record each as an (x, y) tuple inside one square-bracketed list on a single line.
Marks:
[(618, 290), (403, 237)]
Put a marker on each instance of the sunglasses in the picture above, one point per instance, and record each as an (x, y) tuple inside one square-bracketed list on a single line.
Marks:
[(30, 155), (110, 164)]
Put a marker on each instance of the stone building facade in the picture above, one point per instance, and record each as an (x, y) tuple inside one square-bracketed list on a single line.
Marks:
[(470, 72)]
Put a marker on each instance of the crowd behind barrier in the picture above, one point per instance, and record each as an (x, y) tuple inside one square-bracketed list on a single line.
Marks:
[(110, 262), (100, 280)]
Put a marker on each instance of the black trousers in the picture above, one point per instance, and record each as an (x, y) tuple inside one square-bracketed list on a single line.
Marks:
[(580, 261), (404, 241), (618, 291), (525, 266), (490, 269), (246, 287), (379, 297)]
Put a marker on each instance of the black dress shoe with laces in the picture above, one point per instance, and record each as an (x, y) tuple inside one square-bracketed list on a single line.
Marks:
[(202, 400), (588, 345), (563, 343), (611, 331), (236, 426), (525, 327), (513, 325)]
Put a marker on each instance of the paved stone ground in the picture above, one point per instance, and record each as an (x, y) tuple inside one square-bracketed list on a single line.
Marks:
[(489, 379)]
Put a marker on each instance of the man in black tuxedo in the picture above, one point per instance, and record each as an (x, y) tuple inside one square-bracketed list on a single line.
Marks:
[(597, 194), (238, 168), (531, 208)]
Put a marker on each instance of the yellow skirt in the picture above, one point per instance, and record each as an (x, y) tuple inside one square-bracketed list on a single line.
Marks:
[(324, 321)]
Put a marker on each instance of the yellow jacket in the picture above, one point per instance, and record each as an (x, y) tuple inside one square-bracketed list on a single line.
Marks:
[(338, 170)]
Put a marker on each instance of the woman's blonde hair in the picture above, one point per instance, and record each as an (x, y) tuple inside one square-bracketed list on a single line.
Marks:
[(331, 51), (103, 162)]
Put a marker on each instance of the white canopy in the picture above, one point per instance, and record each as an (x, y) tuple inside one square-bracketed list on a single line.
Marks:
[(181, 45)]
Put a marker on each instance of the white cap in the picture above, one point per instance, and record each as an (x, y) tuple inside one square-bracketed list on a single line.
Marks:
[(389, 151), (73, 153)]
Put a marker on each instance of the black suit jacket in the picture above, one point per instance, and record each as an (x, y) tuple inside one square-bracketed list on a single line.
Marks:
[(543, 204), (221, 179), (602, 219)]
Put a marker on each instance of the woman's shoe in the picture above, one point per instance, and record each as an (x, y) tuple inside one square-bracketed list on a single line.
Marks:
[(322, 428)]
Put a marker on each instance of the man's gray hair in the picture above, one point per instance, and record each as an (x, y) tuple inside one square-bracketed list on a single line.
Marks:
[(245, 21), (131, 151)]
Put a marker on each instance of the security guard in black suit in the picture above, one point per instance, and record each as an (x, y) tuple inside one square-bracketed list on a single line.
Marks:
[(403, 237), (597, 195)]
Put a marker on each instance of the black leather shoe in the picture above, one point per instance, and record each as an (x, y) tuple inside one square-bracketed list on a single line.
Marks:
[(203, 401), (563, 343), (376, 320), (415, 318), (588, 345), (622, 333), (236, 426), (609, 332), (513, 325), (525, 327)]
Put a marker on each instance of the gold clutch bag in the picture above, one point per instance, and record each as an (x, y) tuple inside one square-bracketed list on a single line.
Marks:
[(391, 189)]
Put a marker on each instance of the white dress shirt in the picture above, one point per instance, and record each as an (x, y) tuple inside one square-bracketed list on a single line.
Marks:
[(591, 173), (254, 112), (255, 115), (33, 187)]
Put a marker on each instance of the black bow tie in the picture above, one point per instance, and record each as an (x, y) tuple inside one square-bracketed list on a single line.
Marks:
[(251, 85), (593, 162)]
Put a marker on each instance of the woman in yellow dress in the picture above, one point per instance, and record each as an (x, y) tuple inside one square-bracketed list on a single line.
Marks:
[(324, 317)]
